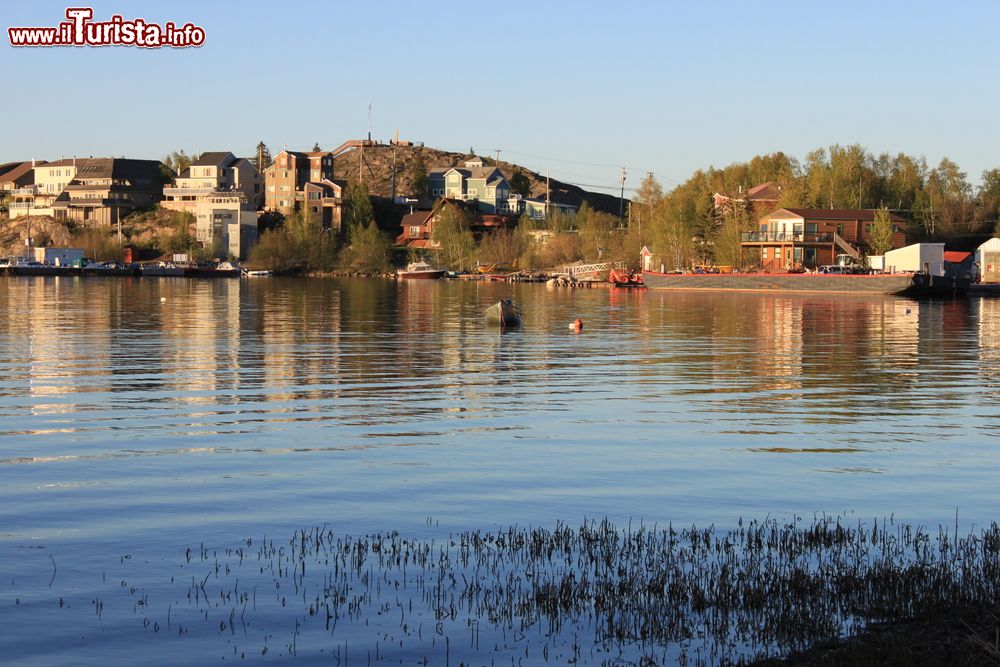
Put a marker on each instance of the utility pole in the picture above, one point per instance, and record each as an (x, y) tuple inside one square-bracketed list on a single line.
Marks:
[(498, 156), (621, 201), (394, 171), (548, 189)]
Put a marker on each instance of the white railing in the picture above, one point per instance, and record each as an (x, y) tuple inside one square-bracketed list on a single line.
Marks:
[(578, 269)]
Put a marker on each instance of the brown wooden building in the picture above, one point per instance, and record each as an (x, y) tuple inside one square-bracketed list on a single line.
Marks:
[(795, 238)]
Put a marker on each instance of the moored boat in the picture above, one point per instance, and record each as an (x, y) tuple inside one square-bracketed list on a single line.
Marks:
[(161, 269), (420, 270), (210, 270), (503, 313), (625, 278)]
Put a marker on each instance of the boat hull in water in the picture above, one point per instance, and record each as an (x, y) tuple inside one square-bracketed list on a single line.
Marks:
[(783, 282), (504, 314)]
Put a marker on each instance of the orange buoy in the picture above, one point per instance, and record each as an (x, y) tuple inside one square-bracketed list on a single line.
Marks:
[(576, 325)]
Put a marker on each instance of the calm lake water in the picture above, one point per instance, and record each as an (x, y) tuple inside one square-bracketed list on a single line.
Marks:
[(140, 418)]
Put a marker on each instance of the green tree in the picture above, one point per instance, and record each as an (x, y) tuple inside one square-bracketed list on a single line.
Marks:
[(880, 233), (262, 157), (451, 233), (178, 161), (368, 249), (417, 172), (642, 210), (501, 247), (359, 207), (596, 230), (735, 222), (520, 184)]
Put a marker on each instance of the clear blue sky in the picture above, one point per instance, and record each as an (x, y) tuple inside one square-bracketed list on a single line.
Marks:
[(573, 87)]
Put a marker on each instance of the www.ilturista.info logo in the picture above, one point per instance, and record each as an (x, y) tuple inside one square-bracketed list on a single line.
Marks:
[(80, 30)]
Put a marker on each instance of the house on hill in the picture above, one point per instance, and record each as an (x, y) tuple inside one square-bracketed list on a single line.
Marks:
[(761, 198), (417, 228), (472, 182), (806, 238), (16, 175), (538, 208), (298, 181), (214, 172), (90, 191), (223, 193)]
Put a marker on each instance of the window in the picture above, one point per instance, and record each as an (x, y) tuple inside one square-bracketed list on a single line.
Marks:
[(415, 231), (765, 253)]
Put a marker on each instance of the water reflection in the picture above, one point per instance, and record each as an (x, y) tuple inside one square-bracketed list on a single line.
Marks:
[(215, 357)]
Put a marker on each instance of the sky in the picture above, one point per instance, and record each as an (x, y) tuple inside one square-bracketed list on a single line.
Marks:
[(579, 89)]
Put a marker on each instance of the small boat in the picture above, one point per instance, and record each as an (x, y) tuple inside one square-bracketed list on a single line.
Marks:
[(503, 313), (624, 278), (212, 270), (258, 273), (420, 270)]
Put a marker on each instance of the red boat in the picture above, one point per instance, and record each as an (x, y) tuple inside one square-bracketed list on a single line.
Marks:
[(625, 278)]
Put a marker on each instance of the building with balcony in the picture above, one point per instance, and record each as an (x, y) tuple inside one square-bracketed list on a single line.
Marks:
[(796, 238), (323, 201), (285, 180), (472, 182), (90, 191), (17, 175), (48, 181), (211, 173)]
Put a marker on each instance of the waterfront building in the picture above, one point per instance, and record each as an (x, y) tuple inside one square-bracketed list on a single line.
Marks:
[(223, 193), (224, 221), (987, 261), (806, 238)]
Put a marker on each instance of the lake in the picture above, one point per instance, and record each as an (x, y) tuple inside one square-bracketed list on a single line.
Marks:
[(143, 418)]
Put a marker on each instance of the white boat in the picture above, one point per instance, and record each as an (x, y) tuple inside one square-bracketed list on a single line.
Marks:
[(420, 270), (258, 273)]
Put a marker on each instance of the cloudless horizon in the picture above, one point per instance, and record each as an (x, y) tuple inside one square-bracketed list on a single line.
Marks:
[(579, 89)]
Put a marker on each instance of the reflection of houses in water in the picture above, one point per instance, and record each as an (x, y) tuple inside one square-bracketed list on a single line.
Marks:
[(56, 365), (779, 362), (989, 344), (894, 333)]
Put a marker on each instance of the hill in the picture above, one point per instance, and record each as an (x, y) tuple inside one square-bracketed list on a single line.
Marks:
[(378, 171)]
